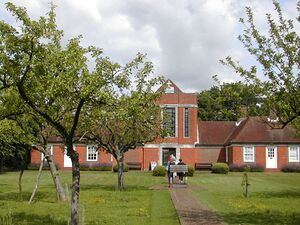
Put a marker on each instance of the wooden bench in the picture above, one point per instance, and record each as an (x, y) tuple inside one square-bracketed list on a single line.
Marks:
[(134, 165), (203, 166)]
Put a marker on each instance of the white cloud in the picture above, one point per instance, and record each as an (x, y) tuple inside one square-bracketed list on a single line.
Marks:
[(184, 39)]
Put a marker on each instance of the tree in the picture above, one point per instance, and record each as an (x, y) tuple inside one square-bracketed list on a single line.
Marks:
[(52, 79), (131, 117), (278, 54), (229, 102), (35, 132), (15, 145)]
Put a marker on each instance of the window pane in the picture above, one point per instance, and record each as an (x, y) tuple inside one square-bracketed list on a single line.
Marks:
[(248, 154), (294, 154), (170, 121), (186, 122), (91, 153)]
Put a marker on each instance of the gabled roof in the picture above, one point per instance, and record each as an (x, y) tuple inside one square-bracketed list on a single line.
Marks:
[(170, 84), (253, 130), (257, 130)]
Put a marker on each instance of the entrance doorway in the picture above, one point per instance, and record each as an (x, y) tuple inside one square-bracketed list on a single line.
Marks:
[(166, 152), (271, 157)]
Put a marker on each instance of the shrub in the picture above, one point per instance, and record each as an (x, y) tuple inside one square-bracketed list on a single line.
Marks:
[(125, 168), (220, 168), (236, 168), (159, 171), (95, 166), (191, 171), (105, 167), (256, 168), (291, 168), (252, 167)]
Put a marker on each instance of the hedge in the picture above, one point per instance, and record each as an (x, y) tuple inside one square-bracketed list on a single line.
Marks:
[(250, 167), (291, 168)]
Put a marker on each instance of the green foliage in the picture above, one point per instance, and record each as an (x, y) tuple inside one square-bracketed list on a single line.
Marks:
[(130, 116), (53, 79), (125, 168), (191, 171), (277, 53), (229, 102), (220, 168), (159, 171)]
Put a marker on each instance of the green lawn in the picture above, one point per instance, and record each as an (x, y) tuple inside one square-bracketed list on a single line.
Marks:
[(100, 202), (275, 197)]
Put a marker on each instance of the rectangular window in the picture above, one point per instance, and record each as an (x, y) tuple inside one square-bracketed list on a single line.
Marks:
[(186, 122), (170, 121), (91, 152), (293, 154), (248, 154)]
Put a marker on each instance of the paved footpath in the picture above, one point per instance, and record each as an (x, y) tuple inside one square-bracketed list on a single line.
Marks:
[(190, 210)]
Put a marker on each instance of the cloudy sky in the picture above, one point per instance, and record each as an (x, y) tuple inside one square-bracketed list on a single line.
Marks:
[(185, 39)]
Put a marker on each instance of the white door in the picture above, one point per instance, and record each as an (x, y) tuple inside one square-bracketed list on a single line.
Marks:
[(271, 157), (67, 159)]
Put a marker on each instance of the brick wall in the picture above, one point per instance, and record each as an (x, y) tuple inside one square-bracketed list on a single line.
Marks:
[(189, 155), (236, 156), (212, 155)]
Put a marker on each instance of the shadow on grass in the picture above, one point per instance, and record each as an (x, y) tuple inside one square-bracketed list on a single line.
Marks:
[(34, 219), (39, 196), (267, 217), (128, 188), (280, 194)]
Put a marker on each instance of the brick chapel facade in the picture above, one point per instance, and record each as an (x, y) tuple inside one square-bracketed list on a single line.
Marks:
[(250, 140)]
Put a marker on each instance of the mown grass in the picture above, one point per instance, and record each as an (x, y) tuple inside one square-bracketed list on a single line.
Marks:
[(100, 202), (275, 197)]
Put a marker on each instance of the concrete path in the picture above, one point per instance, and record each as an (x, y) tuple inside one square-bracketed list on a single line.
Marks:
[(190, 210)]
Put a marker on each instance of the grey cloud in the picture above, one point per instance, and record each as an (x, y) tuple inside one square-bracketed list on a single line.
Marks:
[(185, 39)]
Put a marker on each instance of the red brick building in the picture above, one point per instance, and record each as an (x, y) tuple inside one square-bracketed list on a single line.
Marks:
[(251, 140)]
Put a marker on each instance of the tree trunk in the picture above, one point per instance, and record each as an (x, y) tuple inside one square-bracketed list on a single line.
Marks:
[(120, 174), (55, 176), (75, 187), (20, 184), (37, 181)]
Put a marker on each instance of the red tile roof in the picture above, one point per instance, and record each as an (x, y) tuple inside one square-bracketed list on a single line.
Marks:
[(252, 130), (215, 132), (258, 130)]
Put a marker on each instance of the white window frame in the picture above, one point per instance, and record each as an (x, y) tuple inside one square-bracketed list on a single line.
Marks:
[(244, 153), (87, 153), (297, 152), (51, 151)]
